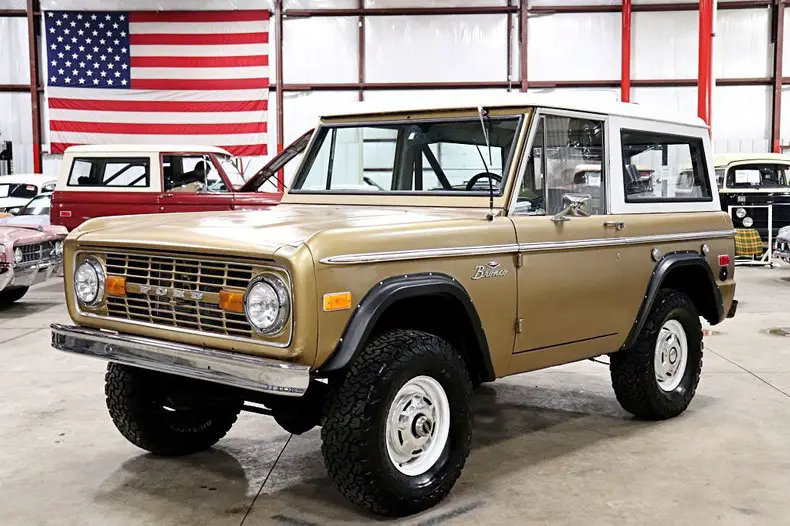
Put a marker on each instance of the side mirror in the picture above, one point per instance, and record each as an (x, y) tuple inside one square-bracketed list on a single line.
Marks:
[(573, 205)]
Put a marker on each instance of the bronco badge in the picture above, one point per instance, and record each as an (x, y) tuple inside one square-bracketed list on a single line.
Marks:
[(489, 270)]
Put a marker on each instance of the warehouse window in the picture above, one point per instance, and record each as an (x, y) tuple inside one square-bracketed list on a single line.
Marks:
[(119, 172), (662, 167)]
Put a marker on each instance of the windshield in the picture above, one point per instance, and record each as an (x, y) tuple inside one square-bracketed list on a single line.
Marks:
[(757, 176), (38, 206), (410, 157), (20, 190), (231, 170)]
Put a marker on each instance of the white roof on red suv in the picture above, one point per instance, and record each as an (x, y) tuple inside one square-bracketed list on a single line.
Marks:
[(146, 148)]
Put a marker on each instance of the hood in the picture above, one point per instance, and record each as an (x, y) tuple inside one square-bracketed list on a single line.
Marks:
[(277, 162), (240, 232), (15, 235), (34, 222)]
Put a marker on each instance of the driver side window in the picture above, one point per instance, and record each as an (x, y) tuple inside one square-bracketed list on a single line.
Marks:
[(567, 158)]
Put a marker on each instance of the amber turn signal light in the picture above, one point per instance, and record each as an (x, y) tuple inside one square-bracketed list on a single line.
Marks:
[(231, 301), (337, 301), (116, 285)]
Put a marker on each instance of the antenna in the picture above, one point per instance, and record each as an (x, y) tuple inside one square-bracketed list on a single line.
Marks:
[(483, 113)]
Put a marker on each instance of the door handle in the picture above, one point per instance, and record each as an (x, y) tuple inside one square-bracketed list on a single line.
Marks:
[(617, 225)]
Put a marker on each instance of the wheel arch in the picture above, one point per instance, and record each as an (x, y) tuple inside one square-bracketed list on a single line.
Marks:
[(404, 302), (686, 272)]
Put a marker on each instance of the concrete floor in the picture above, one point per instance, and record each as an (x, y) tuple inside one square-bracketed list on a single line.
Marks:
[(550, 447)]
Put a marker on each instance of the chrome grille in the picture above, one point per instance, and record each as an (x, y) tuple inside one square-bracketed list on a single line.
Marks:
[(37, 251), (198, 281)]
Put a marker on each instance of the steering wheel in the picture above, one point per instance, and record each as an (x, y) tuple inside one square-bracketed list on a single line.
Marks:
[(477, 177)]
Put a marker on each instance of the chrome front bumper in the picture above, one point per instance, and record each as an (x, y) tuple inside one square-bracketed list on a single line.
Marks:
[(29, 274), (227, 368)]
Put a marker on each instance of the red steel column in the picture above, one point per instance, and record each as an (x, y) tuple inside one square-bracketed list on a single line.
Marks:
[(625, 54), (779, 32), (704, 84), (523, 19), (278, 29), (32, 43)]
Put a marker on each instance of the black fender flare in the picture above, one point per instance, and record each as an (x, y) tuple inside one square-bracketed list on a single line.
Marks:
[(386, 293), (662, 269)]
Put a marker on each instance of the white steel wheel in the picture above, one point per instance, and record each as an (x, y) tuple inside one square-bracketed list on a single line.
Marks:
[(418, 426), (671, 355)]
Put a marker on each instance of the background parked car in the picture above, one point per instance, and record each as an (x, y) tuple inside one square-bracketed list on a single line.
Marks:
[(17, 189), (96, 181), (746, 180)]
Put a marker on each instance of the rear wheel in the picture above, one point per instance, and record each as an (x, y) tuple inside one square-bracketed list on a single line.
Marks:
[(657, 378), (397, 429), (12, 294), (167, 415)]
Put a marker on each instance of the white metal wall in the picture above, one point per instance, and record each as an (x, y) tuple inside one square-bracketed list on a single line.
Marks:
[(472, 48)]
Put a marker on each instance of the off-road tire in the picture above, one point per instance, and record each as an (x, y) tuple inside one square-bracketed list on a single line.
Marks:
[(138, 414), (353, 432), (12, 294), (633, 369)]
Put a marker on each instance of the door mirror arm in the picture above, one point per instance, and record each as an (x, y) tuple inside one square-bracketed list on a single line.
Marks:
[(573, 206)]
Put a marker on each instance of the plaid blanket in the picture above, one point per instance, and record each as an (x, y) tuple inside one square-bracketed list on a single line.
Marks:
[(748, 242)]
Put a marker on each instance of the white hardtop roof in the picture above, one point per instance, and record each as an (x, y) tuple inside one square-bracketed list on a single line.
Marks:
[(27, 179), (504, 100), (728, 158), (145, 148)]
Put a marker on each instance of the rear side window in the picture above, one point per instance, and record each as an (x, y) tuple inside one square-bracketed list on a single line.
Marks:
[(662, 167), (110, 172)]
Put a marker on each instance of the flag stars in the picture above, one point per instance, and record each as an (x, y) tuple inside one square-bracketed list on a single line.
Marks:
[(73, 23), (95, 33), (74, 56), (103, 57), (54, 62), (123, 82), (116, 41), (108, 17), (122, 18), (124, 66), (68, 80), (51, 29), (60, 39), (67, 31), (102, 41), (110, 66), (95, 81), (109, 50), (54, 46), (68, 63), (89, 56), (117, 73), (89, 73), (109, 33), (61, 55), (103, 73), (93, 17), (89, 41), (58, 23), (101, 26), (61, 71), (82, 65), (117, 58), (109, 82), (67, 47), (53, 79), (75, 72), (80, 32), (115, 26), (73, 40), (82, 48), (79, 17), (123, 33)]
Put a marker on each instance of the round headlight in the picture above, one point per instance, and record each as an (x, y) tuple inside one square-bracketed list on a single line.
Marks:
[(740, 213), (748, 222), (89, 282), (18, 255), (267, 304)]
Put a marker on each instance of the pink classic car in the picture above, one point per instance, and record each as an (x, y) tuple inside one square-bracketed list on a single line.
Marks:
[(29, 254)]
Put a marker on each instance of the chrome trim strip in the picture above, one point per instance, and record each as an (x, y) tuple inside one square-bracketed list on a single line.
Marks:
[(212, 365), (626, 240), (432, 253), (428, 253), (259, 341)]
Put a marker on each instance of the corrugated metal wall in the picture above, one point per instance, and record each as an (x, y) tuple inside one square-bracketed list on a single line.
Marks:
[(472, 48)]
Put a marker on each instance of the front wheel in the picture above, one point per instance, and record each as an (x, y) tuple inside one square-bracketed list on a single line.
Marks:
[(656, 379), (12, 294), (168, 415), (397, 430)]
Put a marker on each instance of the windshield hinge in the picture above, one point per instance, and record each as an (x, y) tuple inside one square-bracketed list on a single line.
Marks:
[(519, 325), (519, 259)]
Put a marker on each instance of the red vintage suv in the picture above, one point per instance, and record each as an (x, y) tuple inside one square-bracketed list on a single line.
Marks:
[(96, 181)]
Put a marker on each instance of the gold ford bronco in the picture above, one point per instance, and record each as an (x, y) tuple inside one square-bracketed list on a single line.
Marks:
[(419, 252)]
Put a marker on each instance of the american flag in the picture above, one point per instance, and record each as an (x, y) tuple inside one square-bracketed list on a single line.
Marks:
[(117, 77)]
